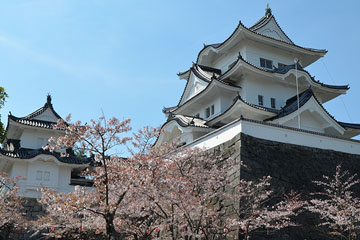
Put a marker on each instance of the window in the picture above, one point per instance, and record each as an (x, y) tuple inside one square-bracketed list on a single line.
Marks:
[(273, 102), (261, 100), (281, 65), (207, 112), (265, 63), (39, 175), (46, 176)]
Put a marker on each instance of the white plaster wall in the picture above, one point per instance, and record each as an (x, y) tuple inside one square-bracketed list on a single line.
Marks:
[(274, 133), (226, 102), (268, 89), (19, 169), (35, 139), (194, 86), (307, 122), (272, 30), (223, 61), (255, 51), (64, 176), (58, 177), (47, 115)]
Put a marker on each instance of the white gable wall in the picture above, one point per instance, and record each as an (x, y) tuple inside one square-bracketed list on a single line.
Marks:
[(47, 115), (271, 29), (194, 86), (307, 122)]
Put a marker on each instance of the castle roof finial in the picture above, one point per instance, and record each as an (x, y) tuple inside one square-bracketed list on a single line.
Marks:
[(267, 10), (48, 99)]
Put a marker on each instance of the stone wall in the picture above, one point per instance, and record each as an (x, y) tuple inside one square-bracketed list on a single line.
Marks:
[(291, 167), (31, 209)]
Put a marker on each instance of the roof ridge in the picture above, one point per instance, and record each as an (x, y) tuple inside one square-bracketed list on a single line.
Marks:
[(31, 153), (39, 111)]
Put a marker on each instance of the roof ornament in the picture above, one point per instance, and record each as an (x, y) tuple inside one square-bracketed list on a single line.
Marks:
[(213, 76), (267, 11), (48, 99), (239, 56)]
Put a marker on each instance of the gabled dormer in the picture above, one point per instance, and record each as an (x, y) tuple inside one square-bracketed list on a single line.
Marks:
[(268, 26), (265, 39)]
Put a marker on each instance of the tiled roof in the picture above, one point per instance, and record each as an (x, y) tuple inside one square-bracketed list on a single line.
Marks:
[(217, 45), (204, 75), (239, 98), (349, 125), (284, 70), (30, 121), (292, 104), (33, 123), (24, 153), (47, 105)]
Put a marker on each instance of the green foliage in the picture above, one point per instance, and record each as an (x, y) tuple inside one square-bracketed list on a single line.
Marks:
[(3, 96)]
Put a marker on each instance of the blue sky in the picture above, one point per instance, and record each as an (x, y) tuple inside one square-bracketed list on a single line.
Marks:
[(121, 57)]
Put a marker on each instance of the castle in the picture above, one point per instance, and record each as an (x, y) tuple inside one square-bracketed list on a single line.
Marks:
[(255, 83)]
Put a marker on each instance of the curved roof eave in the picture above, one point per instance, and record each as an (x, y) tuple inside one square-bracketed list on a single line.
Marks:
[(304, 98), (204, 78), (350, 125), (181, 124), (199, 75), (205, 90), (287, 69), (242, 101), (241, 26), (35, 153), (32, 123)]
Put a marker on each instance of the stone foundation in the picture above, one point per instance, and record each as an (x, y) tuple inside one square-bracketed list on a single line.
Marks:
[(292, 167), (31, 209)]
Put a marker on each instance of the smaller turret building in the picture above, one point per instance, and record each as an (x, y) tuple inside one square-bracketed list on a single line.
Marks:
[(22, 154)]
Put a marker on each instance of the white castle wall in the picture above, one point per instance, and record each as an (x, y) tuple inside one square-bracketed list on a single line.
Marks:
[(40, 173), (274, 133)]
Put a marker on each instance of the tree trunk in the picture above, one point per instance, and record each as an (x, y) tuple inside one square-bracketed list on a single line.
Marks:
[(110, 230)]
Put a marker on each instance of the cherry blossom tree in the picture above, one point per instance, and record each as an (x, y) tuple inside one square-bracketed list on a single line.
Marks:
[(337, 206), (194, 196), (97, 208), (158, 192), (10, 203), (250, 210)]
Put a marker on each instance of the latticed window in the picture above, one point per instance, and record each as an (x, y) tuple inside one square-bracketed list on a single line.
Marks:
[(265, 63)]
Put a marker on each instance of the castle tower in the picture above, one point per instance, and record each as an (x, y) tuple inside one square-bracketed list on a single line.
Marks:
[(255, 82)]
